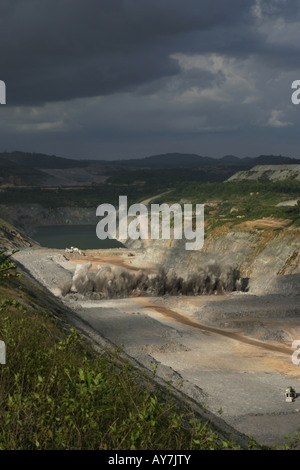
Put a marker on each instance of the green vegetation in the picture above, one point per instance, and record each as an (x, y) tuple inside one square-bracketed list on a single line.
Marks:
[(226, 203), (89, 196), (57, 392), (7, 267), (237, 190), (10, 173), (164, 177), (233, 202), (236, 201)]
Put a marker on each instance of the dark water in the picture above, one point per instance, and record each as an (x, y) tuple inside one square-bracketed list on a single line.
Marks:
[(64, 236)]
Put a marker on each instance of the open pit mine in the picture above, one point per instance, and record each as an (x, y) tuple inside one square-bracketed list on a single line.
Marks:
[(218, 325)]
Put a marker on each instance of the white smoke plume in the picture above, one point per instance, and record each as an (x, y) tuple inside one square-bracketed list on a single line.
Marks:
[(115, 282)]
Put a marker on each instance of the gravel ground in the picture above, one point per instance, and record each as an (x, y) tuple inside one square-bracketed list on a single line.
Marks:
[(240, 381)]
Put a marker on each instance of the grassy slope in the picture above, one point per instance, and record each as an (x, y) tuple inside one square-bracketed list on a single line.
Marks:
[(57, 392), (231, 203)]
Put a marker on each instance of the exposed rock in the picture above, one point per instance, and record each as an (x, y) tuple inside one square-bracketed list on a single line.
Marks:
[(11, 238), (273, 172), (264, 257), (29, 216)]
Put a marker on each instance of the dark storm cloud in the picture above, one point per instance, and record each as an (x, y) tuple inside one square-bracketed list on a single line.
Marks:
[(250, 34), (55, 50), (131, 78)]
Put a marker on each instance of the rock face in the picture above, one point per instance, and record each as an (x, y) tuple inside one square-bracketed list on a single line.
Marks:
[(268, 259), (11, 238), (28, 216)]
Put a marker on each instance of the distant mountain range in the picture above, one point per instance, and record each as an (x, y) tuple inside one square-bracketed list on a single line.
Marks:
[(38, 160), (185, 160), (168, 160), (37, 169)]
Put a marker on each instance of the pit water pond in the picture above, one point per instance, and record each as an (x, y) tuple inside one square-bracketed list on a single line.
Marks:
[(64, 236)]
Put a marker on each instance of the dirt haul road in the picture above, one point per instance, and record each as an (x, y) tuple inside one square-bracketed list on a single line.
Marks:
[(237, 376)]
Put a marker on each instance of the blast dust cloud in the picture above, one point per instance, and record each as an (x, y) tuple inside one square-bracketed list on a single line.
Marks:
[(111, 282)]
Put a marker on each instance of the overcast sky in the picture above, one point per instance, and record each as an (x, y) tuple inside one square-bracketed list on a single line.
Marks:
[(131, 78)]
